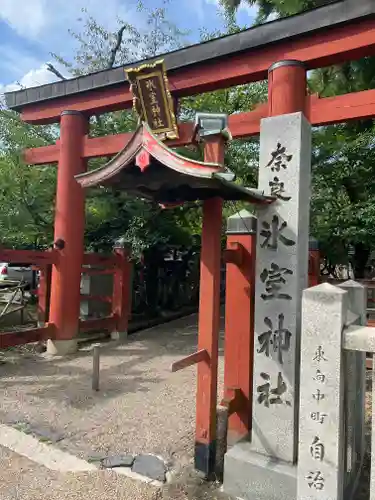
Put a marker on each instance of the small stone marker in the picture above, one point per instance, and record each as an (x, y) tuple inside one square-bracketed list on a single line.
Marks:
[(321, 438), (355, 388), (95, 367), (150, 466), (117, 461)]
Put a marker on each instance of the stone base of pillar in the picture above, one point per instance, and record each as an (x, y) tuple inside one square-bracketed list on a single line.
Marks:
[(62, 347), (119, 336), (251, 476)]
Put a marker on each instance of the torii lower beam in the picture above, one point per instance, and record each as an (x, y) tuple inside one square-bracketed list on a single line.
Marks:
[(320, 111)]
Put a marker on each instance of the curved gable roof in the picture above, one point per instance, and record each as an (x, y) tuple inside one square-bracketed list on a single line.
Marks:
[(148, 168)]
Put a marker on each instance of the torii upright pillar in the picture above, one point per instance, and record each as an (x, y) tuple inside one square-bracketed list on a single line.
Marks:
[(69, 232), (239, 324), (209, 319)]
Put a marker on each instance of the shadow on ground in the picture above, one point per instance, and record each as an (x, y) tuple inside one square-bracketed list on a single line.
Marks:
[(141, 405)]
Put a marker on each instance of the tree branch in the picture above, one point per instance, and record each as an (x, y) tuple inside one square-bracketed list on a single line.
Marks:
[(112, 60), (116, 47), (55, 71)]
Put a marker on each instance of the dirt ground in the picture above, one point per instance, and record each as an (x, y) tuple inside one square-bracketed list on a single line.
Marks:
[(141, 408)]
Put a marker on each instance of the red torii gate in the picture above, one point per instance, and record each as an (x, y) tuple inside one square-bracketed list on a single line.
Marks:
[(284, 50)]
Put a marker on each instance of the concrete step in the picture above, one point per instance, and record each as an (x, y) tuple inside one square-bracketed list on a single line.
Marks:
[(251, 476)]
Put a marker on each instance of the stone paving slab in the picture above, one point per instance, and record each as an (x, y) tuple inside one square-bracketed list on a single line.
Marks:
[(22, 479), (141, 407)]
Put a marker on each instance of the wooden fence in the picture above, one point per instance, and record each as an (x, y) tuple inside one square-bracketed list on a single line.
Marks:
[(156, 294)]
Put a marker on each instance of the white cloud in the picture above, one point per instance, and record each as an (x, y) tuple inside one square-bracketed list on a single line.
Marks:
[(36, 77), (26, 18), (33, 19), (32, 78), (31, 70), (45, 24)]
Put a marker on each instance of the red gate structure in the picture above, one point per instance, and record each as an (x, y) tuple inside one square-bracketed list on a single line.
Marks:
[(117, 264), (282, 51)]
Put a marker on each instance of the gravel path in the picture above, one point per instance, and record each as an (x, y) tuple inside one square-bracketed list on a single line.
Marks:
[(141, 407), (22, 479)]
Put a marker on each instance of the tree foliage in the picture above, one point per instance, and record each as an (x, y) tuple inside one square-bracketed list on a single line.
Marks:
[(342, 210), (279, 8), (26, 193)]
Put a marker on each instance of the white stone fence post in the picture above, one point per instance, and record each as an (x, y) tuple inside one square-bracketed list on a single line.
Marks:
[(332, 420)]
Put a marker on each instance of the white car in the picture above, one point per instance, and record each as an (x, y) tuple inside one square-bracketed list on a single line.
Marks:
[(17, 273)]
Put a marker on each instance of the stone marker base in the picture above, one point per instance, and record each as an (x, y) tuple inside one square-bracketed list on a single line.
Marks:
[(251, 476), (119, 336), (62, 347)]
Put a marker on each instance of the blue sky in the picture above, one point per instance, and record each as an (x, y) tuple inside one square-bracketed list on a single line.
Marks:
[(31, 29)]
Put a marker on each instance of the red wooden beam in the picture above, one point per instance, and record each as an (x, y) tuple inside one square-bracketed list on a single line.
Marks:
[(333, 46), (94, 102), (314, 267), (320, 111), (234, 255), (42, 155), (98, 298), (241, 125), (122, 293), (192, 359), (29, 256), (107, 323), (342, 108), (11, 339), (96, 259), (44, 294), (111, 144), (97, 272)]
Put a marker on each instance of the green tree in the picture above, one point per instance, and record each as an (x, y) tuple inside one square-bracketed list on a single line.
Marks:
[(279, 8), (26, 193), (342, 203)]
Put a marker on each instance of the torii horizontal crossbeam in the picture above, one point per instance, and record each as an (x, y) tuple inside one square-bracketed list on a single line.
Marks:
[(326, 111), (343, 42)]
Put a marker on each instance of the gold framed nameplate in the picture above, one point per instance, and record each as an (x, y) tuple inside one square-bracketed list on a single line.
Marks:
[(152, 100)]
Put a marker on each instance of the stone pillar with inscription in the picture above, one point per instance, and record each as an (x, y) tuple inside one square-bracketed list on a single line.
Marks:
[(281, 276), (321, 457)]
